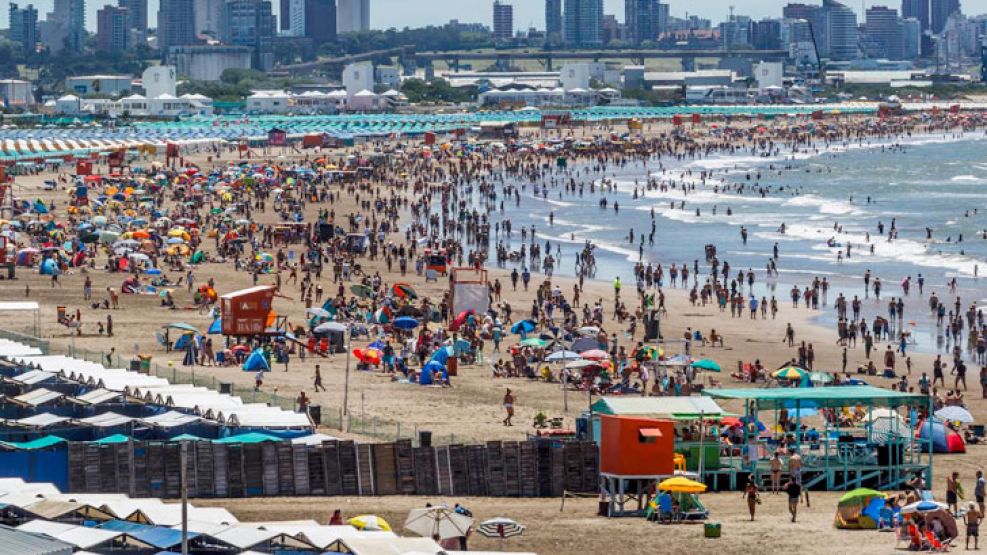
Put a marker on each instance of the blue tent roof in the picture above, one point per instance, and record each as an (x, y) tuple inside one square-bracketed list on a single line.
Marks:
[(157, 536), (256, 361), (251, 437)]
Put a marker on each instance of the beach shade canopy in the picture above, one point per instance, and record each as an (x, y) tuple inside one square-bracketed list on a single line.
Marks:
[(405, 291), (923, 507), (955, 414), (361, 290), (588, 330), (405, 323), (559, 356), (216, 327), (595, 354), (580, 363), (331, 326), (681, 484), (441, 522), (430, 368), (525, 326), (500, 527), (821, 377), (859, 509), (369, 523), (442, 354), (706, 364), (789, 373), (256, 361)]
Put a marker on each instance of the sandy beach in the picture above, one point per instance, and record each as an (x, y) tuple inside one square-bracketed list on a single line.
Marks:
[(470, 410)]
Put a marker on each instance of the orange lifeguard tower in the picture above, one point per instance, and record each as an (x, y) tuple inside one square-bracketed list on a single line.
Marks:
[(635, 454)]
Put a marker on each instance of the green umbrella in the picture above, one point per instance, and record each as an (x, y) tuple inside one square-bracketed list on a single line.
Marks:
[(534, 342), (859, 495), (361, 290), (706, 364), (789, 373)]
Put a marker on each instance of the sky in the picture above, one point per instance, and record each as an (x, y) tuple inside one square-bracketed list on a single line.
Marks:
[(418, 13)]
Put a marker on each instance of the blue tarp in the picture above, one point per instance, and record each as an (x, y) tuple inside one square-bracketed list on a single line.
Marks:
[(157, 536)]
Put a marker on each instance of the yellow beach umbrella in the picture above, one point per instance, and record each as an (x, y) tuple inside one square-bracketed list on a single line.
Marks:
[(369, 523), (680, 484)]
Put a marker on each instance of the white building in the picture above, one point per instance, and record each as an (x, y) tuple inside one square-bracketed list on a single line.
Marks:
[(104, 85), (365, 101), (352, 16), (575, 76), (769, 74), (159, 80), (207, 63), (538, 98), (15, 93), (393, 100), (358, 77), (269, 102), (388, 76), (135, 105), (68, 104), (296, 19)]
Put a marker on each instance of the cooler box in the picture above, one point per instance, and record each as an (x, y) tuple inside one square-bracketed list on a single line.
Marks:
[(711, 530)]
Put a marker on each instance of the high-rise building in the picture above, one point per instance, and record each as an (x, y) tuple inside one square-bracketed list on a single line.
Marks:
[(252, 23), (65, 27), (884, 33), (113, 29), (911, 33), (553, 22), (24, 26), (503, 20), (664, 14), (940, 12), (284, 24), (798, 11), (320, 20), (735, 32), (918, 9), (137, 11), (583, 23), (209, 17), (834, 27), (352, 16), (766, 34), (176, 24), (641, 20)]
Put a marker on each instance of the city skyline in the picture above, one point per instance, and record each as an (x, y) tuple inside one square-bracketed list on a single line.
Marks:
[(401, 13)]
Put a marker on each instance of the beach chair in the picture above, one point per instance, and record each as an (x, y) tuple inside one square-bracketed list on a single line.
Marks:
[(665, 512)]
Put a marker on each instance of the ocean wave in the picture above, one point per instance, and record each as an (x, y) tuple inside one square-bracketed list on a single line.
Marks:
[(968, 179), (825, 206)]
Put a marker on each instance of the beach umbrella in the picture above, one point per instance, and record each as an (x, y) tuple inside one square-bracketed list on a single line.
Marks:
[(216, 327), (318, 312), (821, 377), (859, 495), (588, 330), (534, 342), (175, 241), (437, 521), (580, 363), (955, 414), (500, 527), (368, 355), (681, 484), (558, 356), (183, 326), (405, 323), (405, 291), (442, 354), (460, 319), (706, 364), (526, 326), (257, 361), (369, 523), (789, 373), (361, 290), (921, 507), (595, 354), (330, 326)]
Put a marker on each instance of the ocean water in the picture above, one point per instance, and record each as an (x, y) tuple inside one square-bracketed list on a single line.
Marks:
[(937, 181)]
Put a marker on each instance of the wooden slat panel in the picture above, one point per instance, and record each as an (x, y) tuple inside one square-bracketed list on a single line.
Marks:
[(443, 471), (385, 469), (365, 469), (221, 469), (234, 463), (172, 470), (330, 459), (253, 469), (269, 468), (205, 478), (299, 456), (512, 469), (425, 472), (286, 468), (348, 472), (155, 469)]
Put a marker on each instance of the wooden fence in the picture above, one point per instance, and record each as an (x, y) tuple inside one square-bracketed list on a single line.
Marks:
[(497, 469)]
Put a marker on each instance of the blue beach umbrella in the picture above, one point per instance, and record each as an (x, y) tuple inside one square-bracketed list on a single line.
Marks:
[(523, 326), (405, 323)]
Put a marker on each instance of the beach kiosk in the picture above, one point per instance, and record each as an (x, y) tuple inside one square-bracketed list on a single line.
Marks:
[(635, 454)]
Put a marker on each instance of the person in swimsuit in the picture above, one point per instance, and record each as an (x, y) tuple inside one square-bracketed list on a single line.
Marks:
[(752, 495), (509, 407)]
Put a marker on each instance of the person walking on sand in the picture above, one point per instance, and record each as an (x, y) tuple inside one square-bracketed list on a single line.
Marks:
[(794, 491), (979, 489), (509, 407), (752, 495), (318, 379), (972, 519), (775, 466), (953, 491)]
